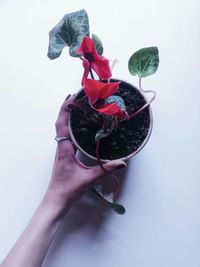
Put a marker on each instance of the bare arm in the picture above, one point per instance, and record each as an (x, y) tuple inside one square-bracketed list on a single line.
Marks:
[(69, 181)]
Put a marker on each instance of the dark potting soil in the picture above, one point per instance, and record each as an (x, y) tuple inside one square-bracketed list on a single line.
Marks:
[(123, 141)]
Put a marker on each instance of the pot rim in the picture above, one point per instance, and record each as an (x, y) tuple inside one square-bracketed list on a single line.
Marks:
[(123, 158)]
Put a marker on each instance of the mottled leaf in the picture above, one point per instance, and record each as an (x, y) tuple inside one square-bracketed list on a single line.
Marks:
[(98, 44), (116, 99), (102, 133), (108, 198), (70, 31), (114, 106), (107, 129), (144, 62)]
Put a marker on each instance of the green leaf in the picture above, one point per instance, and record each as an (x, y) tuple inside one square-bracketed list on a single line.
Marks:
[(98, 44), (102, 134), (107, 129), (144, 62), (116, 99), (70, 31), (108, 198)]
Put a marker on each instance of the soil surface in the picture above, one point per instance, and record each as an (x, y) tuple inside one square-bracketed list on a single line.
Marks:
[(123, 141)]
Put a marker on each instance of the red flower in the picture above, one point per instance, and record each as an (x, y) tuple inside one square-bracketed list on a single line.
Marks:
[(96, 90), (92, 59), (113, 109)]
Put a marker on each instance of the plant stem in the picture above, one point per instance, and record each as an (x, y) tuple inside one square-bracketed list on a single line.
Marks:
[(101, 165), (148, 103), (114, 63), (91, 73), (106, 172)]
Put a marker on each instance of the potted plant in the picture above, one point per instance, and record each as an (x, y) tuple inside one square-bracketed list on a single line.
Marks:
[(110, 118)]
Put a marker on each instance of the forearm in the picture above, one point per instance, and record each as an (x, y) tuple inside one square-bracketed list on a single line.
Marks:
[(33, 244)]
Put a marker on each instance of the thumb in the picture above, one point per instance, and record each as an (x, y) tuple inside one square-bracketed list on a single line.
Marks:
[(110, 166)]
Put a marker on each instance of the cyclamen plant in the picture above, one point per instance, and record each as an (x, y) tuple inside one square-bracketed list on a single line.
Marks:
[(73, 31)]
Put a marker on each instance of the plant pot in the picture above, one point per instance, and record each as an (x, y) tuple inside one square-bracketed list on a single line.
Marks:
[(124, 142)]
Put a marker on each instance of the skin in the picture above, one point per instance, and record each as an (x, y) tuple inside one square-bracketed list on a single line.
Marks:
[(70, 179)]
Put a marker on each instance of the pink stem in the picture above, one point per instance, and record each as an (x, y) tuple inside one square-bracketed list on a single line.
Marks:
[(148, 103), (106, 172)]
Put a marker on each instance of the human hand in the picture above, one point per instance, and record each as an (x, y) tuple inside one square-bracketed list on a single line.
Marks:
[(71, 178)]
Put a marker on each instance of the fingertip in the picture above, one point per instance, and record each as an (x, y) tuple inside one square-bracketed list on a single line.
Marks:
[(115, 165), (121, 165), (117, 162), (67, 97), (69, 100)]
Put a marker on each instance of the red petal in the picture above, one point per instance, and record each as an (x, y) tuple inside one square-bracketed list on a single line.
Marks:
[(99, 63), (109, 89), (112, 109), (87, 46), (92, 89), (86, 66), (98, 90), (101, 66)]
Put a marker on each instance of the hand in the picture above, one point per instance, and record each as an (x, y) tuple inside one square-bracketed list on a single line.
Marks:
[(71, 178)]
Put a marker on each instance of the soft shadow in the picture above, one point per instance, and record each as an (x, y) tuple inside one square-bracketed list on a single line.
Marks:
[(107, 181), (90, 212)]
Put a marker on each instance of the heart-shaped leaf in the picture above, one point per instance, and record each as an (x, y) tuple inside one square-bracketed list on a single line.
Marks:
[(70, 32), (144, 62), (116, 99), (108, 198), (98, 44)]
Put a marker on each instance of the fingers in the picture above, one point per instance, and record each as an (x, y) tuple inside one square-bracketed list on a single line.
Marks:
[(65, 148), (63, 116), (96, 172)]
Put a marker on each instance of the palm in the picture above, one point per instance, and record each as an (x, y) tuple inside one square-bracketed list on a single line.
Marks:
[(72, 175)]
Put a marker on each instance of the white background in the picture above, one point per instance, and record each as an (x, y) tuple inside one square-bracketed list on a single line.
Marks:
[(161, 188)]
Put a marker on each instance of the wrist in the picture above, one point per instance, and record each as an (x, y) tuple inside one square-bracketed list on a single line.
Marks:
[(55, 204)]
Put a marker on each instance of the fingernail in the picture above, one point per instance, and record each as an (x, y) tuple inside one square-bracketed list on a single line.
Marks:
[(121, 166), (67, 97)]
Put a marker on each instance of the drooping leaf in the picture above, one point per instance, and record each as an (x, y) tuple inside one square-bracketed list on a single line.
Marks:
[(98, 44), (108, 198), (144, 62), (106, 130), (70, 32)]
